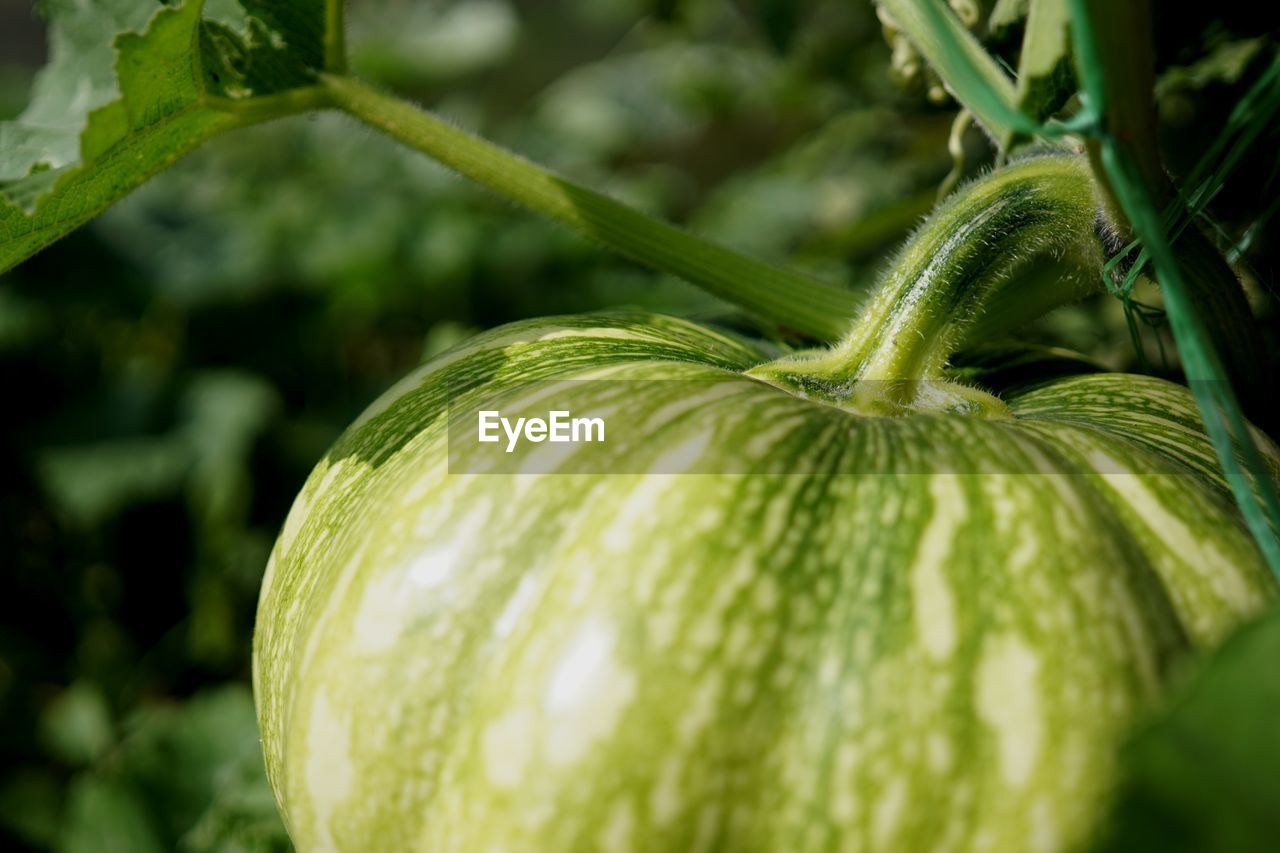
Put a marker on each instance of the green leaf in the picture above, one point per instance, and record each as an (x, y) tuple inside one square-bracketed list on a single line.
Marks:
[(223, 787), (1045, 79), (118, 69), (187, 777), (225, 412), (79, 80), (1225, 63), (1206, 776), (1005, 14), (76, 726), (968, 71), (132, 86), (780, 19), (30, 799), (265, 47), (102, 816), (89, 483)]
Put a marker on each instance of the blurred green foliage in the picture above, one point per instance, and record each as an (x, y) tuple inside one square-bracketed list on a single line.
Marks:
[(175, 369), (1205, 776)]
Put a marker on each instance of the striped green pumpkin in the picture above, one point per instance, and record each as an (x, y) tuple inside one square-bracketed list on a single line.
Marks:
[(856, 655)]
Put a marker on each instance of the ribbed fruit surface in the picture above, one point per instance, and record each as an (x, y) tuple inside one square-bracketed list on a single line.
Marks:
[(855, 655)]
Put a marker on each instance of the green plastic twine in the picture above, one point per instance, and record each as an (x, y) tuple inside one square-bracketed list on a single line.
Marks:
[(980, 85), (1223, 419), (1253, 113)]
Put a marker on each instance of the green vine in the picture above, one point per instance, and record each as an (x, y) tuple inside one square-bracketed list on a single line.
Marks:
[(335, 37), (803, 304)]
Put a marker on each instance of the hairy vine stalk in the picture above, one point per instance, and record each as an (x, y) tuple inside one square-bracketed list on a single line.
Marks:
[(794, 300), (972, 251)]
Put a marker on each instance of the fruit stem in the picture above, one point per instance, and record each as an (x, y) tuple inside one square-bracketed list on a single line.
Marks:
[(969, 254), (944, 276)]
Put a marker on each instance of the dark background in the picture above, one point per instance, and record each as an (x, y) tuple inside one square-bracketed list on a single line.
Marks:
[(173, 371)]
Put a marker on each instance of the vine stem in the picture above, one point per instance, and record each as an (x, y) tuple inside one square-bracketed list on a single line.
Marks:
[(796, 301), (264, 108), (335, 43)]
